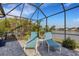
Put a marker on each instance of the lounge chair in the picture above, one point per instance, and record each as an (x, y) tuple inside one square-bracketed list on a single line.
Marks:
[(32, 42), (51, 44)]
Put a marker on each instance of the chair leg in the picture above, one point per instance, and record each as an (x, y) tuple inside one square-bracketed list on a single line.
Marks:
[(48, 49), (42, 43), (60, 51), (36, 49)]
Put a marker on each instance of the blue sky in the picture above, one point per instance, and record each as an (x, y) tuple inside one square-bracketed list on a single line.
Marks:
[(48, 9)]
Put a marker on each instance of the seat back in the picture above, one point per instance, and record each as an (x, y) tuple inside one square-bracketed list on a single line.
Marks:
[(32, 40), (48, 35), (33, 34)]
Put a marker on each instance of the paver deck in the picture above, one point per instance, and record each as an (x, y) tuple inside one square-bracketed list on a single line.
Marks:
[(12, 48)]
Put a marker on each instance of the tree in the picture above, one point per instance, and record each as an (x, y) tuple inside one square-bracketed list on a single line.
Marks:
[(7, 23), (2, 28), (52, 28), (78, 28)]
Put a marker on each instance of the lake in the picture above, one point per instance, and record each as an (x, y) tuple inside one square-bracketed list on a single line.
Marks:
[(72, 35)]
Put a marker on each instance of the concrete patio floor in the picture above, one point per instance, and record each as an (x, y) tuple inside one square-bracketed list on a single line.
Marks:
[(11, 48), (42, 51), (64, 51), (15, 48)]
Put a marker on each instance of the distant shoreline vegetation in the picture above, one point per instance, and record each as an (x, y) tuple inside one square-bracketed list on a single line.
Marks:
[(68, 29)]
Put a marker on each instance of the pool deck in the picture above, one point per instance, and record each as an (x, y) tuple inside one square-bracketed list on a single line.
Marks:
[(16, 48), (42, 51), (12, 48), (64, 52)]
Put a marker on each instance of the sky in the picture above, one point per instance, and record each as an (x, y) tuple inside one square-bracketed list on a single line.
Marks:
[(48, 9)]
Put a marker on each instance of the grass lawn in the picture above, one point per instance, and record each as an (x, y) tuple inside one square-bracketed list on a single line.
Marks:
[(58, 40)]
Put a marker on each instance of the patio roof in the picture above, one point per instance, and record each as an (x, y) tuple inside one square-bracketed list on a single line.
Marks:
[(38, 9)]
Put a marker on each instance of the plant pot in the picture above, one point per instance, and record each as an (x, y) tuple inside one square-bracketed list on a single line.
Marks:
[(2, 43)]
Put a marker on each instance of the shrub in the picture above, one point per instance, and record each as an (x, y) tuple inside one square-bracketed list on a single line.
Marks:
[(41, 33), (27, 34), (70, 44), (26, 37)]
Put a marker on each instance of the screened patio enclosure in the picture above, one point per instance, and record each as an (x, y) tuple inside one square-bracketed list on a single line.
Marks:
[(63, 17)]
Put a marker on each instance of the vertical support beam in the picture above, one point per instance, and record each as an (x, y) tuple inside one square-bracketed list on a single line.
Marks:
[(5, 32), (16, 26), (20, 19), (41, 12), (34, 13), (64, 21), (46, 25), (30, 26), (38, 21)]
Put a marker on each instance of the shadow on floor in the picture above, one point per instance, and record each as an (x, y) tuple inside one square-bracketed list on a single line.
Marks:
[(12, 48)]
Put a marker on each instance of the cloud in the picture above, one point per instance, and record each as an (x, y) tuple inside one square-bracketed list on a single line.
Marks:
[(8, 7), (68, 4), (26, 12), (15, 12), (75, 22)]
